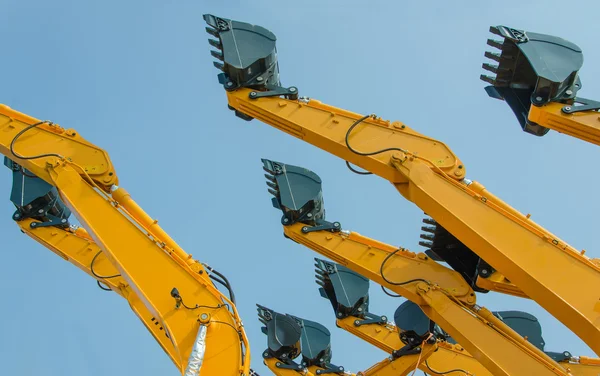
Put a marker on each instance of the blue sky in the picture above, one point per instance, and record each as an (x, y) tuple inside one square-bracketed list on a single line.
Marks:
[(136, 78)]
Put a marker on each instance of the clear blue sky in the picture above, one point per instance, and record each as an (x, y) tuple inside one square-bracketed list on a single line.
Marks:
[(136, 78)]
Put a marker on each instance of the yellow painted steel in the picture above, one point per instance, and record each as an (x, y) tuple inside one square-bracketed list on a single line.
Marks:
[(400, 366), (426, 172), (499, 283), (47, 138), (387, 338), (495, 347), (584, 125), (150, 263)]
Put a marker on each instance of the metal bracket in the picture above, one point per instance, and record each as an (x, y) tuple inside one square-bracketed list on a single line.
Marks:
[(53, 221), (290, 364), (484, 269), (323, 225), (371, 319), (588, 105), (413, 344), (330, 368), (409, 349), (275, 91)]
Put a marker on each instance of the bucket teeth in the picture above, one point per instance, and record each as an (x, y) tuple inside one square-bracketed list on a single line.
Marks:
[(215, 43), (272, 185), (212, 32), (219, 65), (430, 229), (426, 244), (270, 177), (217, 55), (490, 67), (274, 193), (426, 237), (429, 221), (492, 56), (495, 30), (495, 43), (488, 79)]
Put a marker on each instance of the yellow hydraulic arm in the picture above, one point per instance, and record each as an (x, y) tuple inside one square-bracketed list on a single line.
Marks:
[(440, 292), (584, 125), (426, 172), (170, 291), (446, 356)]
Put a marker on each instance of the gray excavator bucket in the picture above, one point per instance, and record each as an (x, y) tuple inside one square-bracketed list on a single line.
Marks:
[(347, 291), (246, 53), (297, 192), (527, 325), (315, 342), (414, 324), (36, 199), (532, 68), (283, 333), (441, 245)]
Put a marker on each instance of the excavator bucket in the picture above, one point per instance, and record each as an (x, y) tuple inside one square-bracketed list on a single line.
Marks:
[(347, 291), (297, 192), (246, 53), (283, 333), (413, 324), (443, 246), (410, 317), (315, 342), (34, 198), (532, 68), (527, 325)]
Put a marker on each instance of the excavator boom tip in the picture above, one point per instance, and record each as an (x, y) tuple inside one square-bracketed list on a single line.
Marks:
[(531, 68), (297, 192), (245, 53)]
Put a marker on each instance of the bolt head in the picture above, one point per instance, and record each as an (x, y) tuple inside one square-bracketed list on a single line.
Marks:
[(229, 84), (569, 92), (568, 108), (41, 211), (17, 215), (63, 220), (204, 316), (539, 99), (292, 89), (253, 94), (259, 78), (286, 220), (309, 215)]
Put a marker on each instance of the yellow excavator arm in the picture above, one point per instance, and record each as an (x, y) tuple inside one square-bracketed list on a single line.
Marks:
[(489, 243), (494, 236), (57, 173)]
